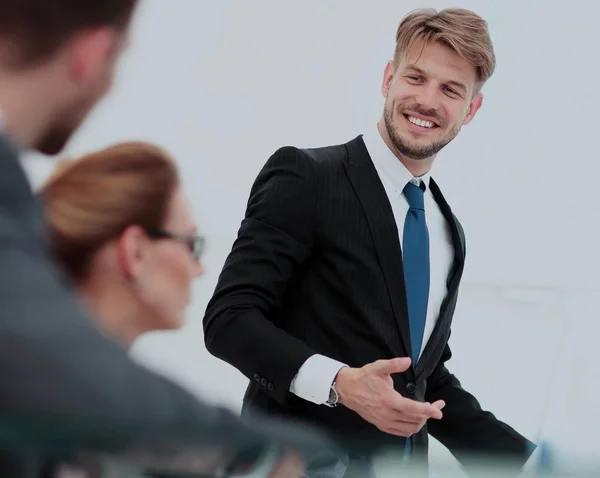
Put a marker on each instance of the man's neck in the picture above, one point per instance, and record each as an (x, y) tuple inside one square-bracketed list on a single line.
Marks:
[(25, 108)]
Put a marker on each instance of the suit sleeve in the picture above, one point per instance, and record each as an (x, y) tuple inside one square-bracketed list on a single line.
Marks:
[(465, 429), (274, 241)]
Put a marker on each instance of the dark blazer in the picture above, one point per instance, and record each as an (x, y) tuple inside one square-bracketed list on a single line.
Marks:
[(317, 268), (65, 384)]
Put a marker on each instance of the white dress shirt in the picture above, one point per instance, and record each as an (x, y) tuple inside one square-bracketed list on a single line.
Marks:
[(316, 375)]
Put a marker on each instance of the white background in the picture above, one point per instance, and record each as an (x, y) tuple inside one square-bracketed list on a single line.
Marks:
[(223, 84)]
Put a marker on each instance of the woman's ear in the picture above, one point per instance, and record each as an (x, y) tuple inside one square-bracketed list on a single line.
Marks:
[(132, 251)]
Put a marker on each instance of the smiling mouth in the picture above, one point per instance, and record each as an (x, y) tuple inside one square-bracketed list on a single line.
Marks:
[(421, 122)]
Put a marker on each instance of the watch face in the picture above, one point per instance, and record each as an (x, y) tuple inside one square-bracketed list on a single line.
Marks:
[(333, 396)]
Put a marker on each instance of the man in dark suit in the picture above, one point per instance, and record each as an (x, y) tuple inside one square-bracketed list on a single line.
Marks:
[(63, 384), (342, 283)]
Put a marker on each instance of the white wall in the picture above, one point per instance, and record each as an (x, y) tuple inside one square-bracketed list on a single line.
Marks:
[(223, 84)]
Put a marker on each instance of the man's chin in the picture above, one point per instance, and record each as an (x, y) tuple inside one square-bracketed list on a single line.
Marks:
[(52, 145), (418, 152)]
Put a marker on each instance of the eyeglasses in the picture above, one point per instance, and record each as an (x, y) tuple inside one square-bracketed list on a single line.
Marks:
[(195, 243)]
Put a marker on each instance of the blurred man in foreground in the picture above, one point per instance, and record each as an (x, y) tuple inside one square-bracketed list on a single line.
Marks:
[(60, 377)]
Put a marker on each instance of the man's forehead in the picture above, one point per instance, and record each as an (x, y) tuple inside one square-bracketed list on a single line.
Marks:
[(439, 60)]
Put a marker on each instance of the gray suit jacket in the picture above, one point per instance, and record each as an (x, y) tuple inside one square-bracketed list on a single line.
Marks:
[(64, 385)]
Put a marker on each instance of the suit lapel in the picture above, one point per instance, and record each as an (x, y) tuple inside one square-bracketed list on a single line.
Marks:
[(458, 240), (384, 231)]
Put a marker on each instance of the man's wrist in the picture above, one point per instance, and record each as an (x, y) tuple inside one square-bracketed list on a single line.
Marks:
[(340, 383)]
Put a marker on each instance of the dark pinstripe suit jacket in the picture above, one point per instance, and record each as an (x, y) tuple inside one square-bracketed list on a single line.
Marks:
[(317, 268), (64, 385)]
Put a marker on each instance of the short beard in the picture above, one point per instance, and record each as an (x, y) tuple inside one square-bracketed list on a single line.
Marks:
[(412, 152), (54, 141), (66, 123)]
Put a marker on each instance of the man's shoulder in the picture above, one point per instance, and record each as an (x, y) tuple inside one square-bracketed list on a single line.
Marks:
[(328, 155), (18, 205), (21, 223)]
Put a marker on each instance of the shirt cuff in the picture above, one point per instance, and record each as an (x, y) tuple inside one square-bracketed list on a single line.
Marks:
[(314, 379)]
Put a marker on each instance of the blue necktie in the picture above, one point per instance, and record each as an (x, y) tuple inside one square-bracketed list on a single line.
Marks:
[(415, 257)]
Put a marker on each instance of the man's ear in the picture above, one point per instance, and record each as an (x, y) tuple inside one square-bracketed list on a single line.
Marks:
[(474, 106), (89, 52), (388, 77)]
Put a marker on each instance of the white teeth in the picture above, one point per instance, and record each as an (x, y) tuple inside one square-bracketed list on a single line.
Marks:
[(420, 122)]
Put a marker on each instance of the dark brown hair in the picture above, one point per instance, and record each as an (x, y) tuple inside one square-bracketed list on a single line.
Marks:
[(35, 29), (92, 200)]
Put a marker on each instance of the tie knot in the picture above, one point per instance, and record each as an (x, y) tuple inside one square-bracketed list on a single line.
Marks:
[(415, 196)]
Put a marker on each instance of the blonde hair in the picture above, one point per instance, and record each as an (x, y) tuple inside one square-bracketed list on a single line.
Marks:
[(90, 201), (459, 29)]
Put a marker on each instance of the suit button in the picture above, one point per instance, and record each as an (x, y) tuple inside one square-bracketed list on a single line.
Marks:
[(257, 377), (263, 382), (411, 388), (271, 387)]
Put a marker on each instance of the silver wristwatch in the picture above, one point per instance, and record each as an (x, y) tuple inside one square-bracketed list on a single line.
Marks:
[(333, 399)]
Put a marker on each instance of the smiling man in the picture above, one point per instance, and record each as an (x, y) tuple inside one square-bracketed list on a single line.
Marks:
[(338, 295)]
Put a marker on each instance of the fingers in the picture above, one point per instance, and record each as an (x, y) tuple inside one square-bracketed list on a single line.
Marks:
[(388, 367), (425, 410), (411, 416), (411, 410), (402, 428)]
